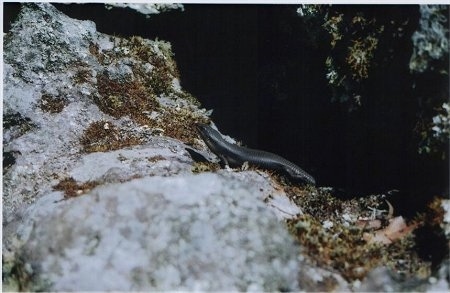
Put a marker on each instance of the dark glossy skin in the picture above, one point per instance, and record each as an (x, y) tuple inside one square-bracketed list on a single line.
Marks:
[(234, 155)]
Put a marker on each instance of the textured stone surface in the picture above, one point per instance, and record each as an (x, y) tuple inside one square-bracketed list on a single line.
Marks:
[(204, 232), (38, 53), (48, 54)]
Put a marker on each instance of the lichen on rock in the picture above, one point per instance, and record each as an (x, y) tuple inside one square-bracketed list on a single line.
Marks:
[(63, 77)]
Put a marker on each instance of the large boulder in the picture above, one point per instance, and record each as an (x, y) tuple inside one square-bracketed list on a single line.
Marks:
[(195, 232)]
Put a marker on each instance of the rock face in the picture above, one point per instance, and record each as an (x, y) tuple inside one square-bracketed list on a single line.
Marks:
[(89, 109), (197, 232), (62, 78)]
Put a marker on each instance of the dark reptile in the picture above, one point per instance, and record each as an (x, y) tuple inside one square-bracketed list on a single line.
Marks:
[(234, 155)]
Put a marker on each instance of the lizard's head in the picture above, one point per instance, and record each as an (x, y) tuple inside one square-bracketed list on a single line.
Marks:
[(202, 129), (207, 134)]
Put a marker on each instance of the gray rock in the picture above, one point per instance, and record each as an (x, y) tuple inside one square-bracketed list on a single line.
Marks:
[(51, 145), (197, 232), (148, 9), (44, 52)]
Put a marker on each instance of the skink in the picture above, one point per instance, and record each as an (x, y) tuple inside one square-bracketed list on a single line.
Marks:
[(234, 155)]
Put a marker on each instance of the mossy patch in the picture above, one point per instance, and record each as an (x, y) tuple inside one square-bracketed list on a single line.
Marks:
[(151, 73), (18, 275), (156, 54), (188, 97), (155, 159), (329, 232), (52, 104), (160, 56), (24, 124), (200, 167), (337, 247), (360, 56), (94, 49), (133, 99), (433, 236), (101, 136), (180, 123), (8, 160), (82, 75), (122, 98), (71, 188)]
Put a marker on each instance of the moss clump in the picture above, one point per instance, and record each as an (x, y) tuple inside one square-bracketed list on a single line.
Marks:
[(180, 124), (160, 81), (330, 233), (52, 104), (361, 42), (72, 189), (433, 236), (125, 98), (159, 54), (155, 159), (82, 75), (94, 49), (355, 38), (153, 71), (337, 247), (23, 124), (133, 99), (360, 56), (20, 276), (101, 136), (200, 167)]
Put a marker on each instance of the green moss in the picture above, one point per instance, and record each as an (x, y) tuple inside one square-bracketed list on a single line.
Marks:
[(356, 34), (200, 167), (338, 247), (51, 104), (360, 57), (82, 75), (160, 81), (130, 98), (101, 136), (73, 189), (159, 54), (354, 38), (17, 120), (155, 159), (136, 97), (337, 243), (94, 49), (18, 275), (180, 124)]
